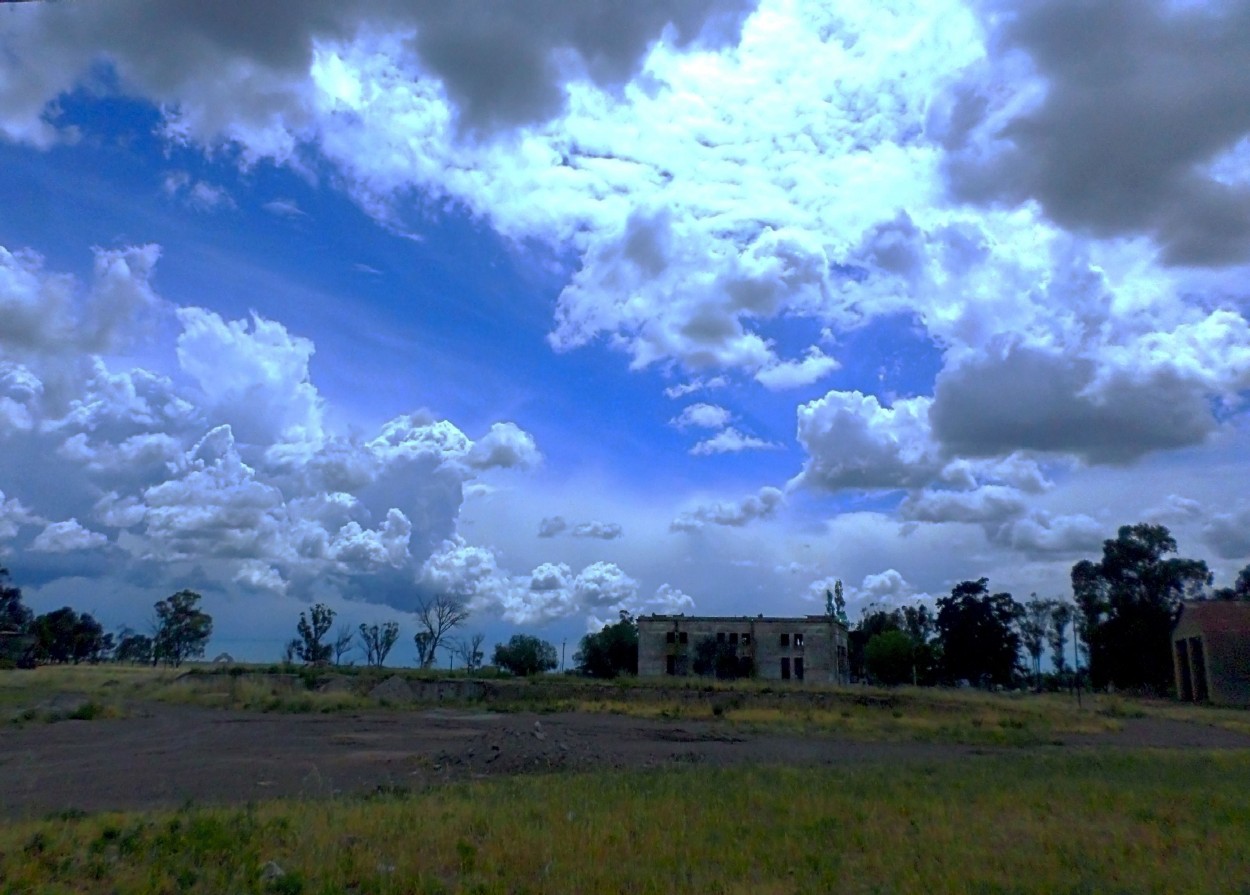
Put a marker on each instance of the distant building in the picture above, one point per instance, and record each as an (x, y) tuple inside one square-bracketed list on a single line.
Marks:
[(807, 648), (1211, 652)]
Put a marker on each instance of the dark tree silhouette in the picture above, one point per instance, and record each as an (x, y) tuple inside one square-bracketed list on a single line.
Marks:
[(977, 634), (1128, 602), (525, 655), (611, 652), (182, 630), (311, 629), (378, 641), (438, 617)]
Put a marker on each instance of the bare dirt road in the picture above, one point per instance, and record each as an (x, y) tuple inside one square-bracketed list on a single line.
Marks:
[(168, 755)]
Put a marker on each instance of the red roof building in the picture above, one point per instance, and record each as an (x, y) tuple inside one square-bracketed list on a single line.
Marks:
[(1211, 652)]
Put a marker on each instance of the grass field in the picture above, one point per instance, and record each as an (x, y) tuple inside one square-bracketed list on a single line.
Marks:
[(1066, 823), (1076, 820), (917, 714)]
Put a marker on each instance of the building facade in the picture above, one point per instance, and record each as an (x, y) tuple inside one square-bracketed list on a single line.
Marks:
[(1211, 652), (806, 648)]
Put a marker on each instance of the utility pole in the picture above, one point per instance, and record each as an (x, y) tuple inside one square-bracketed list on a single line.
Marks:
[(563, 643)]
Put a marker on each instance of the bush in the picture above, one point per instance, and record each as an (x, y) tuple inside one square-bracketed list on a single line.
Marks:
[(525, 654)]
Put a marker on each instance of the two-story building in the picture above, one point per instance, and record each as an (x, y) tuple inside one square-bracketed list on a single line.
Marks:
[(806, 648)]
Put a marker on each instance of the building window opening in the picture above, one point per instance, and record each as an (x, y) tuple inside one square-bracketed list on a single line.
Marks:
[(798, 668), (670, 666), (785, 667), (683, 637), (733, 638), (671, 637), (746, 639), (798, 639), (720, 636), (785, 641)]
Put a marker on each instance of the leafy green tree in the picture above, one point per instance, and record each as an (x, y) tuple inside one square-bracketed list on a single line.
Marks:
[(1129, 601), (1061, 615), (835, 602), (611, 652), (1034, 623), (182, 629), (889, 657), (309, 649), (525, 655), (137, 649), (378, 641), (91, 644), (872, 622), (1240, 589), (54, 635), (64, 636), (977, 633), (15, 618)]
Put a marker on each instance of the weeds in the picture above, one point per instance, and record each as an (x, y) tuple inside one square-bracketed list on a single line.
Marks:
[(1126, 822)]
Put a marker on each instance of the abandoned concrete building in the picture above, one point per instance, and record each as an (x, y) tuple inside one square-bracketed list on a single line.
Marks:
[(807, 648), (1211, 652)]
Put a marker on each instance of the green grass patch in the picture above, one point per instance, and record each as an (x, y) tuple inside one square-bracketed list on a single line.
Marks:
[(1072, 823)]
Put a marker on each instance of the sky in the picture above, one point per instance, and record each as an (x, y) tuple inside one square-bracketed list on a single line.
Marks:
[(567, 309)]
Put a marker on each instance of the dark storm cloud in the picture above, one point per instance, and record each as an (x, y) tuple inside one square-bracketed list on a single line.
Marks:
[(1228, 534), (1141, 96), (1027, 399), (503, 63)]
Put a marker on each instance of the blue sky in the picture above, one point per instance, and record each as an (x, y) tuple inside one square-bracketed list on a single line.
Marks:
[(696, 307)]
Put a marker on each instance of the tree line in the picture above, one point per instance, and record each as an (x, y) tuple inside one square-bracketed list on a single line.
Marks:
[(179, 632), (1117, 625), (1113, 632)]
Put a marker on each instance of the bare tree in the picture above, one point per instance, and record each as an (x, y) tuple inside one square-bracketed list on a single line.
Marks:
[(469, 649), (438, 617), (342, 642), (377, 641)]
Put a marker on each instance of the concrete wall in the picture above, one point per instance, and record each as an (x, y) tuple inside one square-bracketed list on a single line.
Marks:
[(811, 648), (1212, 664)]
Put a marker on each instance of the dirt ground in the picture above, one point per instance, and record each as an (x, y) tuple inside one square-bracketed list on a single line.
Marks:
[(167, 755)]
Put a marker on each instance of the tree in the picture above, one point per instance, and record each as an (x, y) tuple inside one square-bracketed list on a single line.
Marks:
[(54, 635), (343, 638), (525, 654), (438, 617), (889, 659), (835, 602), (611, 652), (1240, 589), (182, 630), (1034, 624), (1129, 601), (469, 649), (872, 621), (14, 617), (91, 644), (377, 641), (977, 634), (308, 646), (134, 648), (1061, 615)]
